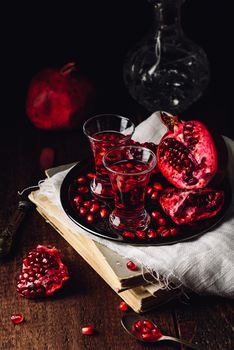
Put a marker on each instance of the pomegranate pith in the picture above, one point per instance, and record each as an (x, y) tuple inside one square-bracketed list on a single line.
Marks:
[(42, 273)]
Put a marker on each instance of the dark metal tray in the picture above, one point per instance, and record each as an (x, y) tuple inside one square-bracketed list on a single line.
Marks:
[(102, 228)]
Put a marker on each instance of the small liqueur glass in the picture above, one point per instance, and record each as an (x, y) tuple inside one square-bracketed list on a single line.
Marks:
[(129, 169), (104, 132)]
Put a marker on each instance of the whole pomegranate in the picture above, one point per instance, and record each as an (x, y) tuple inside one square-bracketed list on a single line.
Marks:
[(187, 206), (186, 154), (42, 273), (59, 98)]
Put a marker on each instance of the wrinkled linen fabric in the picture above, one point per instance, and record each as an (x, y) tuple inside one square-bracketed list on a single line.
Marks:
[(204, 265)]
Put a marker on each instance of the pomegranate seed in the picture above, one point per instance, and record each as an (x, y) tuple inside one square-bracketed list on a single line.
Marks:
[(157, 186), (154, 195), (83, 189), (148, 324), (140, 234), (149, 190), (77, 200), (163, 231), (123, 306), (94, 208), (131, 266), (87, 204), (156, 334), (128, 234), (104, 213), (87, 330), (83, 211), (151, 233), (81, 180), (161, 221), (17, 318), (145, 329), (174, 231), (146, 336), (156, 214), (90, 218), (90, 176), (138, 326)]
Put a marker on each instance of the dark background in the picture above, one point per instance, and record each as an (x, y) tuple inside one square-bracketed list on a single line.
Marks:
[(98, 34)]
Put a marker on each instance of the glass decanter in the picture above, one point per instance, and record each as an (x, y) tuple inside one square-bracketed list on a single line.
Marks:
[(166, 70)]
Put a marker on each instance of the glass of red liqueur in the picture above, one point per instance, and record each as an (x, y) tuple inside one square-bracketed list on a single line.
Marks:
[(129, 169), (104, 132)]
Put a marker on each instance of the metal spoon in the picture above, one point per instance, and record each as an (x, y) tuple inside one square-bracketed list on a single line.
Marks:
[(127, 322)]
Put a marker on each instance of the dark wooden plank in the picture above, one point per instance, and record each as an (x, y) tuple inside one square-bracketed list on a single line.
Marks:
[(208, 321), (55, 323)]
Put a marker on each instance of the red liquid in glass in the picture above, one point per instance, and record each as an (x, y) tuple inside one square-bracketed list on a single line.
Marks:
[(100, 144), (129, 186)]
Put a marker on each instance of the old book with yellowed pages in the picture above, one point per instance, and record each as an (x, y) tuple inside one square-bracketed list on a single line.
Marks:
[(131, 285)]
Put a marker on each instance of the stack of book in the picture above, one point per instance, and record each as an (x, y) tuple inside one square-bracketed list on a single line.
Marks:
[(137, 288)]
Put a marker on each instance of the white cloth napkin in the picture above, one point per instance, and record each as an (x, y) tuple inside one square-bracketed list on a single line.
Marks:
[(204, 265)]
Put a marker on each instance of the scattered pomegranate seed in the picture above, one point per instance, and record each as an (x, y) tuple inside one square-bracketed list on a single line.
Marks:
[(132, 266), (83, 189), (94, 208), (149, 190), (104, 213), (83, 211), (156, 214), (140, 234), (154, 195), (87, 204), (128, 234), (123, 306), (81, 180), (77, 200), (17, 318), (146, 330), (161, 221), (174, 231), (87, 330), (146, 336), (90, 176), (163, 231), (151, 233), (157, 186), (148, 324), (90, 218), (138, 326)]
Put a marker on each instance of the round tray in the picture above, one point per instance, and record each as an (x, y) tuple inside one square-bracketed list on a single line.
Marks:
[(101, 227)]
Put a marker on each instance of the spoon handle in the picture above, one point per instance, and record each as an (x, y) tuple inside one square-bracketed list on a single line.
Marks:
[(181, 341)]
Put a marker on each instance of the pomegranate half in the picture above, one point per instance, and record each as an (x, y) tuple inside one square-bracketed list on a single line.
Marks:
[(186, 154)]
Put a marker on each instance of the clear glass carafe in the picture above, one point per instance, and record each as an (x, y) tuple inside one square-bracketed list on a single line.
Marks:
[(166, 70)]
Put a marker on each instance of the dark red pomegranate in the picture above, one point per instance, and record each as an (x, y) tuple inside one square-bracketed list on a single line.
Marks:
[(59, 98), (186, 154), (187, 206), (42, 273)]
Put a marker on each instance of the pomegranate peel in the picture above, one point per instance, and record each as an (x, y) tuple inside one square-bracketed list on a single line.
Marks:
[(43, 273)]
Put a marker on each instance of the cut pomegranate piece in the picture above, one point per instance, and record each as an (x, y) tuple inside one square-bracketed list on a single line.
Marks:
[(17, 318), (186, 154), (187, 206), (42, 273)]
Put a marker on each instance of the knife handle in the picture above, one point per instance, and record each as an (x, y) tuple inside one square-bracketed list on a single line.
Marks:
[(7, 236)]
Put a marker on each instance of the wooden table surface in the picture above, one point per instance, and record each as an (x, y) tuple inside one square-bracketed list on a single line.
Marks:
[(55, 323)]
